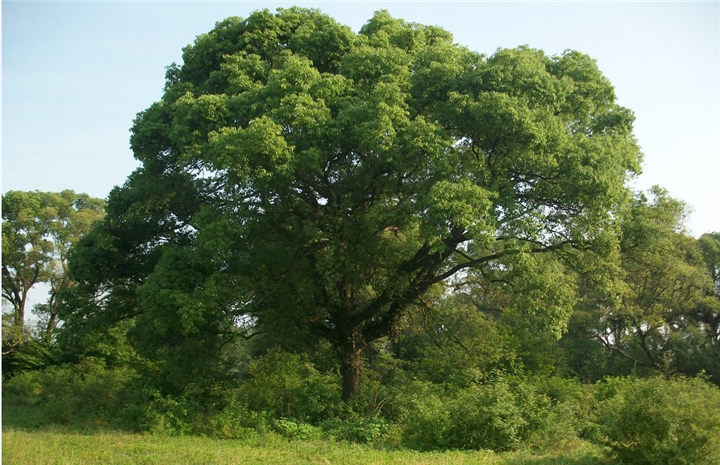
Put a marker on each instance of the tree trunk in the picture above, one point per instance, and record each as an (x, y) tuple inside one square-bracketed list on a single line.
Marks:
[(351, 370)]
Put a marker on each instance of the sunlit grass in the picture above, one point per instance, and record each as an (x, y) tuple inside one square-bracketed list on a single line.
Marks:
[(29, 438), (64, 447), (54, 445)]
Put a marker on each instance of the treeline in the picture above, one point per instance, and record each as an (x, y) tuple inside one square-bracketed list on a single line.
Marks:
[(381, 237), (637, 372)]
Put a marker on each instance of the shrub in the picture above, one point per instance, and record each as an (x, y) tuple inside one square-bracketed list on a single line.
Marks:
[(498, 416), (659, 421), (236, 421), (32, 355), (356, 428), (428, 423), (568, 415), (82, 393), (505, 414), (170, 415), (293, 429), (288, 386), (488, 417)]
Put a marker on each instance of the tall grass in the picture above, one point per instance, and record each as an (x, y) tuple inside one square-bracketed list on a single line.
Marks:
[(63, 446), (30, 437)]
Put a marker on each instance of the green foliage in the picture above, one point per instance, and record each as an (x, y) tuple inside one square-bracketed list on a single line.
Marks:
[(236, 421), (32, 355), (658, 421), (313, 180), (170, 416), (107, 343), (569, 416), (356, 428), (288, 386), (709, 312), (38, 231), (390, 207), (457, 344), (293, 429), (500, 415), (660, 312), (84, 393)]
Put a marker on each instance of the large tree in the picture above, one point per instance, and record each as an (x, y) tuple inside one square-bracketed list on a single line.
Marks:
[(38, 230), (305, 178)]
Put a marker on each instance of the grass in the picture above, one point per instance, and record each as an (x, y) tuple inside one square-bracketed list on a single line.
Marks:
[(62, 447), (53, 446), (28, 438)]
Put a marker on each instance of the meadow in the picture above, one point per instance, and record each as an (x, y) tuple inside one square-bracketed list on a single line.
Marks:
[(28, 438)]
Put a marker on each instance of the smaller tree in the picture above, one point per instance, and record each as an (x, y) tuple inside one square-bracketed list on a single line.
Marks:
[(710, 246), (709, 311), (38, 230), (652, 315)]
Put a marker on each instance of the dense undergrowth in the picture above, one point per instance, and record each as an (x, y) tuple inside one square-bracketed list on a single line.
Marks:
[(652, 420)]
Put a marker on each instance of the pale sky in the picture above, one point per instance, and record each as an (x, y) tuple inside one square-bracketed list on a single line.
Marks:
[(75, 74)]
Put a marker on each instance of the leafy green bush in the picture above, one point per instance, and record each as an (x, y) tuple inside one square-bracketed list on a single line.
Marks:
[(355, 428), (85, 392), (567, 418), (171, 416), (661, 422), (34, 354), (502, 415), (289, 386), (293, 429), (496, 416), (236, 421), (428, 421), (491, 416)]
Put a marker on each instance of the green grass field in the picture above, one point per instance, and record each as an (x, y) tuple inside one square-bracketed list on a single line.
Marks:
[(27, 438)]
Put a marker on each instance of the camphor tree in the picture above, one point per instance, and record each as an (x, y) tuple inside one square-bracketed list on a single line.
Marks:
[(37, 231), (299, 177)]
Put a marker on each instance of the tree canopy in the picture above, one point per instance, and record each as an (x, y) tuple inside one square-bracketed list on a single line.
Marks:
[(38, 230), (660, 311), (300, 178)]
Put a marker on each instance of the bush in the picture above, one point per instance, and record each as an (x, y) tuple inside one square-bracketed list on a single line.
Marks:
[(236, 421), (567, 418), (663, 422), (288, 386), (293, 429), (487, 417), (428, 423), (498, 416), (355, 428), (32, 355), (83, 393), (170, 415), (503, 415)]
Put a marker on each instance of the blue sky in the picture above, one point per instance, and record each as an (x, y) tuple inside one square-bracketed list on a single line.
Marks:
[(75, 74)]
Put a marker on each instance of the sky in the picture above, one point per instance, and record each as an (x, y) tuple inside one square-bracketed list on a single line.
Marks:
[(75, 74)]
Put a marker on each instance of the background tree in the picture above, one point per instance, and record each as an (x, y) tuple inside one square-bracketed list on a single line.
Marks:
[(710, 246), (709, 312), (654, 316), (38, 230), (309, 179)]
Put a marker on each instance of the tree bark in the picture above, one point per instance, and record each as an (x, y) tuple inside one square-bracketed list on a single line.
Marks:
[(352, 363)]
